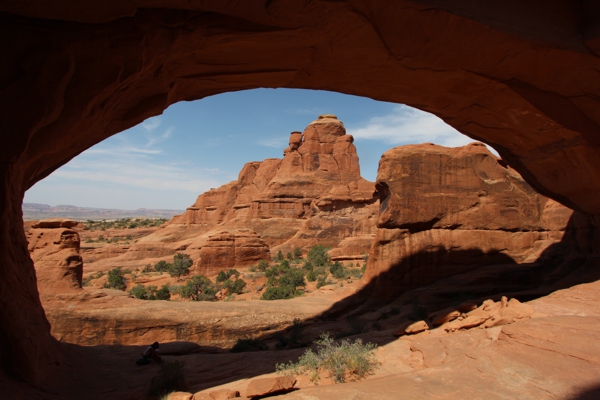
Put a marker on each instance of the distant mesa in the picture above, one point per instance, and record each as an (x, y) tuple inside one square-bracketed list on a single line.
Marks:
[(36, 211)]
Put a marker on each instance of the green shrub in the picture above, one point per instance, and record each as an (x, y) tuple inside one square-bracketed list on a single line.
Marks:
[(164, 293), (342, 360), (139, 292), (181, 265), (317, 256), (297, 253), (322, 281), (245, 345), (337, 270), (279, 255), (311, 276), (283, 282), (116, 280), (161, 266), (170, 378), (289, 256), (199, 288), (150, 292), (223, 276), (236, 286), (263, 265)]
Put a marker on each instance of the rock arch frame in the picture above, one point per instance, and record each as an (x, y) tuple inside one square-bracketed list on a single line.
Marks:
[(520, 77)]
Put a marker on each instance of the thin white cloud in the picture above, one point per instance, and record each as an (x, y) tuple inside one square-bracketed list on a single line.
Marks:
[(140, 172), (152, 140), (406, 125), (151, 124)]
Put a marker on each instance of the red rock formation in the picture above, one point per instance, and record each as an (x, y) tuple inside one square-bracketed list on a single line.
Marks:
[(447, 211), (226, 250), (54, 248), (315, 194), (520, 76)]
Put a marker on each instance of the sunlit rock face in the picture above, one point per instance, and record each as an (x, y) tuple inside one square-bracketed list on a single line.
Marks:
[(54, 248), (446, 211), (314, 195)]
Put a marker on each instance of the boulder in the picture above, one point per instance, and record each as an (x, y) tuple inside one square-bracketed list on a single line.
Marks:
[(267, 386), (219, 394), (180, 396)]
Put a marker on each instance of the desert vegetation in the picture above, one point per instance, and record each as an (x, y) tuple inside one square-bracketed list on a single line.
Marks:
[(342, 361), (123, 223), (284, 278)]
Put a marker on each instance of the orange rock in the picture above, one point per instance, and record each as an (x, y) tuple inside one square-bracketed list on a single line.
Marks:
[(314, 195), (56, 256), (180, 396), (219, 394), (443, 316), (267, 386), (446, 211), (416, 327)]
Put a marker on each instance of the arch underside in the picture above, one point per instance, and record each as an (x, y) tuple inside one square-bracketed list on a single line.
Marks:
[(520, 77)]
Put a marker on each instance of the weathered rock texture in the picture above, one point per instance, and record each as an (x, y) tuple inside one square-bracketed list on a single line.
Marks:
[(315, 194), (445, 211), (54, 249), (518, 75)]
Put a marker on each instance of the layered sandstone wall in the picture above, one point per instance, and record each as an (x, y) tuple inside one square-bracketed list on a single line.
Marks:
[(446, 211)]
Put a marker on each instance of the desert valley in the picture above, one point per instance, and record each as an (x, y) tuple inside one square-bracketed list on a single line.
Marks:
[(451, 264), (455, 274)]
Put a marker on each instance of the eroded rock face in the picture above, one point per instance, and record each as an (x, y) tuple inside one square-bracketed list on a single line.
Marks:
[(445, 211), (520, 76), (226, 250), (315, 194), (54, 249)]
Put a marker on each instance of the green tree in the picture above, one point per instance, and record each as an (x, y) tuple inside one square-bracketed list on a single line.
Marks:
[(199, 288), (337, 270), (289, 256), (279, 255), (297, 253), (317, 256), (116, 280), (164, 293), (161, 266), (263, 265), (237, 286), (181, 265)]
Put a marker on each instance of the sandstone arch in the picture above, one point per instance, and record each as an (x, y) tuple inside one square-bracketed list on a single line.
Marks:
[(521, 76)]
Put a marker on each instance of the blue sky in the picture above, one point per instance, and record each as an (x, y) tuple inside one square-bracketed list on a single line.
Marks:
[(168, 160)]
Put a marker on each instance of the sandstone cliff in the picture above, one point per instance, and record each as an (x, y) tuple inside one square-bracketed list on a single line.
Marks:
[(315, 194), (448, 211)]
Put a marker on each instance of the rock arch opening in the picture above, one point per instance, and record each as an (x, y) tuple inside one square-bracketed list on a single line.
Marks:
[(521, 78)]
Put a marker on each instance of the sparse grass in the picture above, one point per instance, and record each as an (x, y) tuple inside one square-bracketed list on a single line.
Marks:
[(344, 361)]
